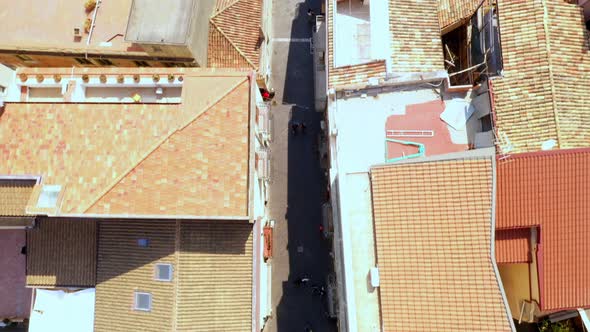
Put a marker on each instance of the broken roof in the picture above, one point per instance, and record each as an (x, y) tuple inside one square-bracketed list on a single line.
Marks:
[(551, 190), (452, 13), (416, 45), (190, 159), (211, 286), (234, 34), (546, 61), (434, 233)]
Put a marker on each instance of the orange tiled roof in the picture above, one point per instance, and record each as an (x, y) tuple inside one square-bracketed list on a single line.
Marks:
[(552, 189), (139, 158), (234, 34), (453, 12), (545, 55), (513, 245), (433, 226)]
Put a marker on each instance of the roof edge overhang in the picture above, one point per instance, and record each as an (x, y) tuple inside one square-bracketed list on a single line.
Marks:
[(469, 154), (146, 216)]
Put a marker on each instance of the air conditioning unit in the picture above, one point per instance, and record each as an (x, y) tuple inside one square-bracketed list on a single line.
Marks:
[(374, 273)]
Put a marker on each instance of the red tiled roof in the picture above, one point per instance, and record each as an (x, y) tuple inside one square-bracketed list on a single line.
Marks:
[(234, 34), (513, 245), (552, 190), (433, 228)]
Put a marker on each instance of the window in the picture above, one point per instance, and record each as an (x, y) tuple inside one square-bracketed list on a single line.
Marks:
[(143, 301), (144, 243), (24, 57), (83, 61), (163, 272), (104, 62), (2, 89), (141, 63), (48, 196)]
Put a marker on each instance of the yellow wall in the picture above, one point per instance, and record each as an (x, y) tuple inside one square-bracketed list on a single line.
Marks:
[(515, 278)]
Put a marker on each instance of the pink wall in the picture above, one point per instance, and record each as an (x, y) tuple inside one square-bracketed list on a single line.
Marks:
[(15, 299)]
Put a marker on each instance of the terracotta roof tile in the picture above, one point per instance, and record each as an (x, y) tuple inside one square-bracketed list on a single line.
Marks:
[(433, 231), (214, 289), (545, 54), (234, 34), (211, 287), (416, 45), (14, 197), (138, 144), (61, 253), (356, 74), (454, 12), (513, 245), (208, 155), (118, 276), (552, 190)]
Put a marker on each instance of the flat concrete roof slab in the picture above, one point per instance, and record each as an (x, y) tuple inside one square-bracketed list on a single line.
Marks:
[(159, 22)]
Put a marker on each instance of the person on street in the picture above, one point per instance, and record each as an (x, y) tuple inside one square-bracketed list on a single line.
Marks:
[(301, 281), (294, 127), (310, 15)]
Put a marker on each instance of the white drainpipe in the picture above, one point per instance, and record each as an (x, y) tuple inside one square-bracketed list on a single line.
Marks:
[(93, 20)]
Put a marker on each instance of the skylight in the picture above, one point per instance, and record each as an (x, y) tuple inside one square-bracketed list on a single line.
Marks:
[(48, 196)]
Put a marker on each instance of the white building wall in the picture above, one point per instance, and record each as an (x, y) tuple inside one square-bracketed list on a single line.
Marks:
[(357, 142)]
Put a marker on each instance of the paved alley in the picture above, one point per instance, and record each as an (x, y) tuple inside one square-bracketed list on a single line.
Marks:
[(297, 180)]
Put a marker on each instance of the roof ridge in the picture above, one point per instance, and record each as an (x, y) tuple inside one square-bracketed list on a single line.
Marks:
[(225, 8), (159, 143), (233, 44), (550, 65)]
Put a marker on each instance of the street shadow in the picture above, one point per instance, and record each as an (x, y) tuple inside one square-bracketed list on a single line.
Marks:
[(309, 251)]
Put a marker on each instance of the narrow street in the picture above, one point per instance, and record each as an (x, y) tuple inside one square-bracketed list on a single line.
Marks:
[(297, 185)]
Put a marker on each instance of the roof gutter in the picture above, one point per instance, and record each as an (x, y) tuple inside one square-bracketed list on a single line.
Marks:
[(493, 246), (147, 216)]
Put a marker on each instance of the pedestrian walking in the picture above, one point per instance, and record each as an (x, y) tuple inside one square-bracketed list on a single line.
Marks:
[(294, 127), (318, 290), (301, 281), (302, 126), (310, 15)]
